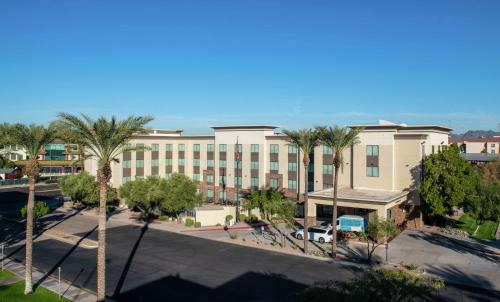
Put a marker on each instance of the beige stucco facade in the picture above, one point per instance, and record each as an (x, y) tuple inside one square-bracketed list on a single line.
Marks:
[(396, 167)]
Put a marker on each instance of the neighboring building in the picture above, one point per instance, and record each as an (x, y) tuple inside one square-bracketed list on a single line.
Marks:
[(57, 159), (478, 150), (485, 145), (380, 174)]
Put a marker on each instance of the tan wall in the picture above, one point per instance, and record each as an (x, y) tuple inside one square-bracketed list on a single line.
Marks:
[(213, 216), (407, 163)]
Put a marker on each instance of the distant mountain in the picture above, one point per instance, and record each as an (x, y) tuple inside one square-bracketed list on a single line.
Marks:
[(477, 134)]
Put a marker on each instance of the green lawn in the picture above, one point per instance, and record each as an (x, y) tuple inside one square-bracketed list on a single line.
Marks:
[(6, 274), (15, 292), (487, 230)]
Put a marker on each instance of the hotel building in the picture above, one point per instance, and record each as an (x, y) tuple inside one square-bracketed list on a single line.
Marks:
[(379, 176)]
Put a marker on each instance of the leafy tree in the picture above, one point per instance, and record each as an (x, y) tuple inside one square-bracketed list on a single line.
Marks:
[(180, 195), (83, 188), (103, 140), (270, 203), (5, 162), (377, 285), (145, 195), (449, 180), (39, 210), (487, 205), (338, 139), (305, 140), (379, 232), (33, 139)]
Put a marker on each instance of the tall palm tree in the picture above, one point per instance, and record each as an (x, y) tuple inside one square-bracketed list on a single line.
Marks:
[(103, 140), (306, 140), (33, 139), (338, 139)]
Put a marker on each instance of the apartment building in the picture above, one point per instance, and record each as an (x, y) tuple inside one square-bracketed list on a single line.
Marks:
[(379, 174), (485, 145)]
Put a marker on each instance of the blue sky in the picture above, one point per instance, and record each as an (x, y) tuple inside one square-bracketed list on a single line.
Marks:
[(193, 64)]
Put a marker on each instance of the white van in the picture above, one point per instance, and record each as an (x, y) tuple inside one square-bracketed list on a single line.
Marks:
[(320, 234)]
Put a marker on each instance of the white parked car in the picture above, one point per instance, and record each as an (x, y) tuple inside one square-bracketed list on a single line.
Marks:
[(320, 234)]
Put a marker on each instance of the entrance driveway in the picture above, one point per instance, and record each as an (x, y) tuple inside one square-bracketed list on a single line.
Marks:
[(460, 261)]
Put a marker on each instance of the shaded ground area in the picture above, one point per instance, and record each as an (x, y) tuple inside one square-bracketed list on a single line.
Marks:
[(13, 199), (150, 265), (462, 261)]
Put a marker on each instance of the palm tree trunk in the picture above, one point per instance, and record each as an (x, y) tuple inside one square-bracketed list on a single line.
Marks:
[(306, 207), (101, 250), (334, 216), (28, 289)]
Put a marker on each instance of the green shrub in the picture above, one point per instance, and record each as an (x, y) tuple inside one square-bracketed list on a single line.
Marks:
[(189, 222), (233, 235), (243, 217), (197, 224), (163, 217), (253, 219), (218, 224), (229, 218), (40, 209), (110, 208)]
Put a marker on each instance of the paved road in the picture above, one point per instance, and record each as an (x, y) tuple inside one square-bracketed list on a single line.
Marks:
[(155, 265), (13, 199)]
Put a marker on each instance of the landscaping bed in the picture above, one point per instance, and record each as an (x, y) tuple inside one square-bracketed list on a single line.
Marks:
[(15, 292), (486, 231)]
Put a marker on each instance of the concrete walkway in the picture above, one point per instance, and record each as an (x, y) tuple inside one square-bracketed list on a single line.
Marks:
[(67, 290)]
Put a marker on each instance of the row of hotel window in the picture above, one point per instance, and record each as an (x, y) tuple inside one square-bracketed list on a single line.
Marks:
[(254, 148)]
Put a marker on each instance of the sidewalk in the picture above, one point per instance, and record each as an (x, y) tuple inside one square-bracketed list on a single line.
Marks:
[(67, 290)]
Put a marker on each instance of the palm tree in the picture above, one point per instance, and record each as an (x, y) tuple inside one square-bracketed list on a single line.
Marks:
[(33, 139), (306, 140), (103, 140), (338, 139)]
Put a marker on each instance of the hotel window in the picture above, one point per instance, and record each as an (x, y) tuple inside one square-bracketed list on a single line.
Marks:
[(372, 171), (155, 162), (327, 150), (155, 147), (292, 149), (210, 193), (311, 168), (254, 182), (139, 177), (196, 177), (139, 163), (168, 176), (210, 178), (372, 164), (196, 147), (168, 162), (222, 164), (237, 180), (239, 196), (168, 147), (292, 167), (255, 148), (222, 148), (127, 163), (196, 162), (292, 184), (328, 169), (273, 166), (222, 195), (327, 186), (140, 147), (210, 163), (275, 148), (310, 186), (237, 164), (181, 161), (126, 179), (254, 165), (126, 147), (273, 183), (222, 179), (210, 148), (182, 147)]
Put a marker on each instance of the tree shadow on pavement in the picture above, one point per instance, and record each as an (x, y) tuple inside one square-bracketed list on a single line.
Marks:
[(457, 245)]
